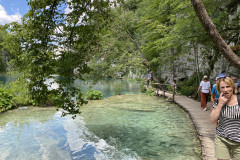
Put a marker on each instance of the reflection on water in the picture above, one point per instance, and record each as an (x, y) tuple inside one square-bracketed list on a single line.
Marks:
[(107, 86), (126, 127)]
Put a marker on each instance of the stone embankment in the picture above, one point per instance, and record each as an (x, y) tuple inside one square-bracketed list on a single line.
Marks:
[(205, 129)]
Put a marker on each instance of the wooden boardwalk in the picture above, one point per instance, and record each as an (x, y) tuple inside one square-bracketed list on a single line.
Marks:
[(205, 129)]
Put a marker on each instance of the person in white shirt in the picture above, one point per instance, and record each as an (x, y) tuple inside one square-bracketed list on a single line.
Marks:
[(205, 88)]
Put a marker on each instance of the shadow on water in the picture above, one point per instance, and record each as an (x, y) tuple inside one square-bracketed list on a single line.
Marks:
[(121, 136)]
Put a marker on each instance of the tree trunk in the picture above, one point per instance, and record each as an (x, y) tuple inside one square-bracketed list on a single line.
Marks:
[(145, 61), (196, 65), (173, 72), (214, 35)]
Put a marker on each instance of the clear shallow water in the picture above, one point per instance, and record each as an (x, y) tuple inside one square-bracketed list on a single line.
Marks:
[(126, 127), (145, 125)]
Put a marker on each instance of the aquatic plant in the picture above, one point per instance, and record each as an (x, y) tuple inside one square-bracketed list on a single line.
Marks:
[(94, 95), (150, 92)]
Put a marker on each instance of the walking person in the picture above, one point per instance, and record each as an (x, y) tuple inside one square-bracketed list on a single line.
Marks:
[(151, 79), (226, 109), (174, 86), (205, 88), (147, 81)]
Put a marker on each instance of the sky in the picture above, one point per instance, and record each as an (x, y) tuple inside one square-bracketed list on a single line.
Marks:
[(12, 10)]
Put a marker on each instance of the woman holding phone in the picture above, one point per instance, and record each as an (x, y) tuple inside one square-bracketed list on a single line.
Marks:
[(226, 109)]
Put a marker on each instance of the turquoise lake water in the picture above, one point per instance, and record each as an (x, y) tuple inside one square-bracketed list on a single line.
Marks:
[(124, 127)]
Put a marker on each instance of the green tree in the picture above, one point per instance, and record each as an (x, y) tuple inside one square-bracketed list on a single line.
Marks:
[(117, 55), (55, 41), (213, 32), (163, 31), (5, 56)]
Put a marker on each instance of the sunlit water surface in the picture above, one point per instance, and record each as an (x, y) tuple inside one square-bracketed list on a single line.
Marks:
[(126, 127)]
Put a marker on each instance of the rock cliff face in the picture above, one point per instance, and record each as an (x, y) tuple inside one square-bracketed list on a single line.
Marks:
[(185, 66)]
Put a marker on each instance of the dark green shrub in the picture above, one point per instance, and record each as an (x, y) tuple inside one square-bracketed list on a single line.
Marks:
[(188, 91), (143, 88), (80, 98), (6, 99), (169, 88), (188, 87), (20, 90), (150, 92), (94, 95)]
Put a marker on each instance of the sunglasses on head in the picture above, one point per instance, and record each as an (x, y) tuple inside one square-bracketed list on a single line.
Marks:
[(222, 78)]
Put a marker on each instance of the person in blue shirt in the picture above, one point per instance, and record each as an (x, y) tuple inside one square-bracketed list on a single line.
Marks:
[(214, 93), (235, 80)]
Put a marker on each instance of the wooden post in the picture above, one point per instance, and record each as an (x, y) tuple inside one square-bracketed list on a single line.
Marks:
[(174, 90)]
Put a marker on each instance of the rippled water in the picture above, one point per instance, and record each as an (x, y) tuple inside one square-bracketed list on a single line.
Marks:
[(126, 127)]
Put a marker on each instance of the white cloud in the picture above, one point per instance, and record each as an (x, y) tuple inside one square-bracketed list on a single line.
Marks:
[(5, 18)]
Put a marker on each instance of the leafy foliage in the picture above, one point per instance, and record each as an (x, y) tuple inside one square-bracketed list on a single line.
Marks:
[(56, 39), (117, 54), (117, 88), (21, 95), (94, 95), (92, 39), (143, 88), (150, 92), (6, 98), (169, 88), (189, 86)]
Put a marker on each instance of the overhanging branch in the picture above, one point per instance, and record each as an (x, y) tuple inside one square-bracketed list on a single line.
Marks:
[(214, 34)]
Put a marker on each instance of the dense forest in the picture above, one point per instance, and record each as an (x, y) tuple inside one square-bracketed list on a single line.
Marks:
[(95, 39)]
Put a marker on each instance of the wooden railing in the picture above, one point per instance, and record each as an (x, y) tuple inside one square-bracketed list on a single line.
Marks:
[(164, 91)]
